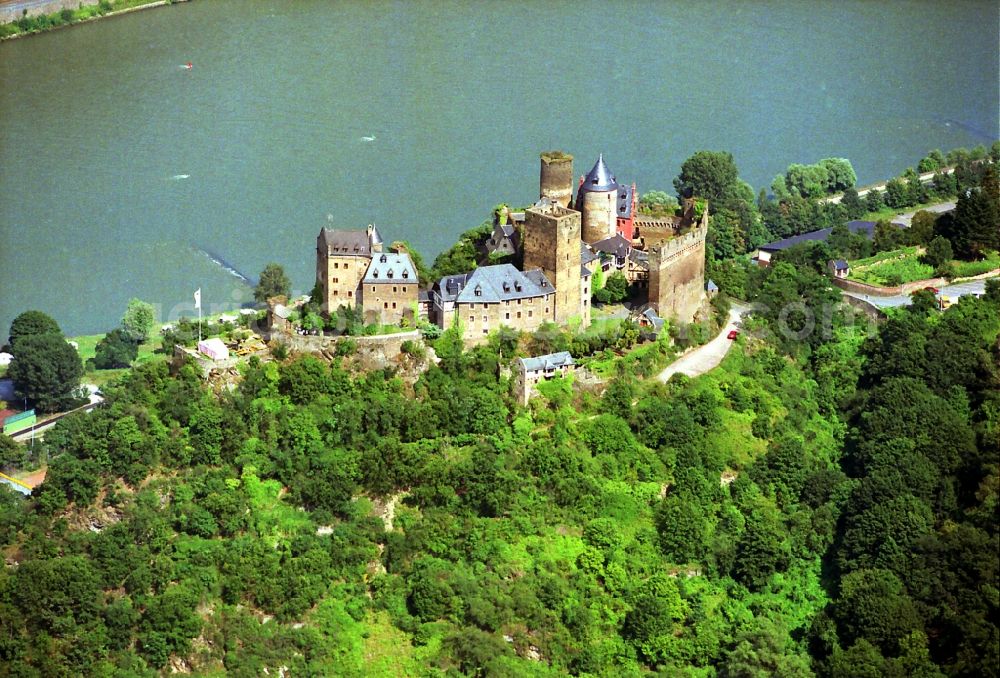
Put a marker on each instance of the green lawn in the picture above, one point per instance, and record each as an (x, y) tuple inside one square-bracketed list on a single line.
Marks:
[(964, 269), (87, 346), (891, 268)]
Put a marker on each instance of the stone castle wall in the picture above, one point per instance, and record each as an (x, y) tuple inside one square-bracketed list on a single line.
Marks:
[(677, 275)]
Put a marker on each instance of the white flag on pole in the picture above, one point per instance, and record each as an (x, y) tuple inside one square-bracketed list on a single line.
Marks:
[(197, 298)]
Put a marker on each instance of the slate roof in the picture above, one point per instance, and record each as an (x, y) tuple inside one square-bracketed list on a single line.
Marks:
[(503, 282), (625, 201), (349, 243), (599, 178), (552, 361), (840, 265), (865, 227), (711, 286), (390, 267), (450, 286), (616, 245), (587, 255), (654, 320)]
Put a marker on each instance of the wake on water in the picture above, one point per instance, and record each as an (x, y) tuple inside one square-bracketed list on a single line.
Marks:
[(219, 261), (179, 177)]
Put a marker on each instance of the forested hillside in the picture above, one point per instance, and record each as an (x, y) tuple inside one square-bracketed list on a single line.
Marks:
[(832, 513)]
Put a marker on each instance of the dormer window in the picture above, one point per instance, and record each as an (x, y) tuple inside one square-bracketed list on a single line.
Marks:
[(506, 286), (479, 291), (517, 286), (383, 259), (375, 273), (406, 274), (390, 274)]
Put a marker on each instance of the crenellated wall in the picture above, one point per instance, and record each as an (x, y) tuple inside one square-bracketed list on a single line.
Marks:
[(677, 274)]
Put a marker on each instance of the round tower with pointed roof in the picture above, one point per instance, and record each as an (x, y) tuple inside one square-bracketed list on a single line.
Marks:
[(596, 201)]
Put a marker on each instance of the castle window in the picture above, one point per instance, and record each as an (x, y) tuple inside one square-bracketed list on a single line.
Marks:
[(350, 293), (394, 304), (472, 318), (373, 288), (506, 316), (375, 273), (485, 319), (404, 286), (394, 288), (335, 293), (518, 314), (406, 274), (346, 266), (529, 313), (336, 265), (479, 291), (385, 304), (390, 274)]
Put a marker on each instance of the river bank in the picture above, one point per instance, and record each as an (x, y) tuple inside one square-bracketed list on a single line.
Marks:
[(68, 15)]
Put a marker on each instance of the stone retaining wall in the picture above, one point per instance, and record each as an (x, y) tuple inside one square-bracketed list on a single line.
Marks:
[(882, 291)]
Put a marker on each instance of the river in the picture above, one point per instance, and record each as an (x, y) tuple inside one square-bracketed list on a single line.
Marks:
[(120, 168)]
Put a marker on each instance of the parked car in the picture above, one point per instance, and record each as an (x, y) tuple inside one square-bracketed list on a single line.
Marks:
[(932, 290), (733, 334)]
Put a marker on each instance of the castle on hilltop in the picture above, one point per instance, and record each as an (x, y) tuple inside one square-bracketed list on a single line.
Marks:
[(561, 242)]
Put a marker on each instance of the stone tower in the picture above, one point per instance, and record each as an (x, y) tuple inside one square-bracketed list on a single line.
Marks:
[(597, 202), (552, 243), (677, 273), (556, 182)]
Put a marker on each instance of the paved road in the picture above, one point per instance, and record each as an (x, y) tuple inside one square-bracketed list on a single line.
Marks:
[(880, 187), (905, 219), (950, 291), (707, 357), (37, 431)]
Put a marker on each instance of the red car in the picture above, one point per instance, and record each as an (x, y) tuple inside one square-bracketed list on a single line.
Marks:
[(933, 290), (733, 334)]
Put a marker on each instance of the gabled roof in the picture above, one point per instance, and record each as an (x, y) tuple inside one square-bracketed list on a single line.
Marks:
[(839, 265), (503, 282), (390, 267), (599, 178), (450, 286), (648, 313), (349, 243), (711, 286), (552, 361), (587, 255), (616, 245)]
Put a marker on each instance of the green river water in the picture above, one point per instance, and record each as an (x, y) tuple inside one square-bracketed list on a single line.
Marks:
[(119, 168)]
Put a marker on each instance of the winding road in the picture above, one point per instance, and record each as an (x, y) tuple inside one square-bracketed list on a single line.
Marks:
[(707, 357)]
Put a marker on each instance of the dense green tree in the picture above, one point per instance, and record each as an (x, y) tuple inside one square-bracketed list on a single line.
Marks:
[(138, 320), (272, 283), (874, 606), (116, 349), (712, 175), (46, 370), (31, 323), (938, 252)]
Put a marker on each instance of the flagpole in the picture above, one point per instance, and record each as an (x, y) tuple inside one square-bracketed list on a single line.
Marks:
[(199, 321)]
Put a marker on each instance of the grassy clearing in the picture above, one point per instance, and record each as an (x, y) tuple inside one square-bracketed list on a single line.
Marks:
[(87, 348), (894, 268), (964, 269)]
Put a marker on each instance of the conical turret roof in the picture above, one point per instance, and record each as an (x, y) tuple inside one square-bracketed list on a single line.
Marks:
[(600, 178)]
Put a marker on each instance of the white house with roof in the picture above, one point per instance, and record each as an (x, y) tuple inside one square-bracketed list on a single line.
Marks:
[(531, 371)]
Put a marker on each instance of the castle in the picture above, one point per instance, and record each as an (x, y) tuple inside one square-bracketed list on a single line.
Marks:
[(561, 248)]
